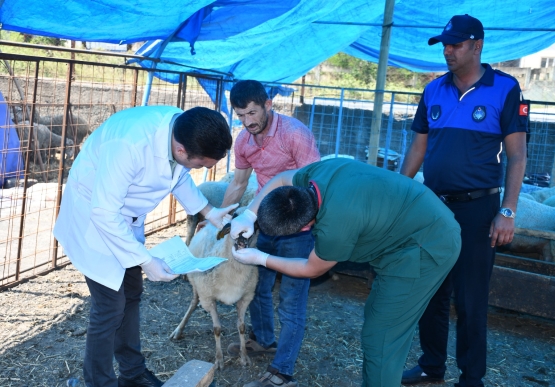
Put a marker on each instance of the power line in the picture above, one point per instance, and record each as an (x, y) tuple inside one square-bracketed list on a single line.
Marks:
[(432, 26)]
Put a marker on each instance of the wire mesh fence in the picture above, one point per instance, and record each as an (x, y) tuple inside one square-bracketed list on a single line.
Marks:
[(341, 120), (541, 144), (50, 106)]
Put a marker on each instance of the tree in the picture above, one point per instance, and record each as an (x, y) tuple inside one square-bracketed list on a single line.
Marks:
[(364, 74)]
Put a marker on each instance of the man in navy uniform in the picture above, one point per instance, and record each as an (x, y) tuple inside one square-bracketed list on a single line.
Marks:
[(464, 121)]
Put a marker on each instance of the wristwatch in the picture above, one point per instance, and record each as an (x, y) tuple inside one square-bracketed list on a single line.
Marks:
[(507, 213)]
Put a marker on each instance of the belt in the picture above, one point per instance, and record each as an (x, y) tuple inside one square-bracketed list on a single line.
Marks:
[(467, 196)]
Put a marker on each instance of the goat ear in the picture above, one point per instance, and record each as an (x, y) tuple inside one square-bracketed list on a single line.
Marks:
[(224, 231)]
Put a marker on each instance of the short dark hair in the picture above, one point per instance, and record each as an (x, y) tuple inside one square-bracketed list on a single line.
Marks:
[(245, 92), (203, 132), (286, 210)]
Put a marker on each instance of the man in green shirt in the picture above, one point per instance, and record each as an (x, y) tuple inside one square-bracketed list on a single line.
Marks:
[(361, 213)]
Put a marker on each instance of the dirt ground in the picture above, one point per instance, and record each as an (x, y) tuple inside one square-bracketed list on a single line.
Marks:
[(43, 329)]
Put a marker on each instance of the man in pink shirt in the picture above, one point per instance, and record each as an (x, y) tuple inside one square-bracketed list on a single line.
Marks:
[(272, 143)]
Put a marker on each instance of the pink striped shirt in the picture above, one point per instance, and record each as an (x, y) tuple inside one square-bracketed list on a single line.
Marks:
[(288, 145)]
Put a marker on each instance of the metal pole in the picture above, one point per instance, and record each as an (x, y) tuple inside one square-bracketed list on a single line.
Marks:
[(67, 102), (302, 90), (311, 121), (184, 90), (146, 93), (389, 130), (135, 87), (219, 95), (338, 138), (27, 170), (179, 90), (431, 26), (173, 201), (157, 56), (380, 83), (74, 50)]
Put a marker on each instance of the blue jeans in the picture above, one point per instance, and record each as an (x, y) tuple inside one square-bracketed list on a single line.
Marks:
[(293, 295)]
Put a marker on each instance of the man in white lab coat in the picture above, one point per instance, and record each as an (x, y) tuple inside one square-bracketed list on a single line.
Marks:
[(125, 169)]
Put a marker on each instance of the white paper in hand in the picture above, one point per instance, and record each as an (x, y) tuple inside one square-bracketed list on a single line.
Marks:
[(179, 258)]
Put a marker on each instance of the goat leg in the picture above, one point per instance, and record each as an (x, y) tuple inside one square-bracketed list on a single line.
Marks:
[(192, 222), (241, 306), (178, 332), (211, 308)]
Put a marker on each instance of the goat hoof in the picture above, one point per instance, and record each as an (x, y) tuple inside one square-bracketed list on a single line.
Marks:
[(176, 335), (220, 364), (246, 361)]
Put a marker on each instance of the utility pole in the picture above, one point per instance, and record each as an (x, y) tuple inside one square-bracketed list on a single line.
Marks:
[(380, 83)]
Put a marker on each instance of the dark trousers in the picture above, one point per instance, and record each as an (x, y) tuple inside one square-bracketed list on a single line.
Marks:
[(114, 331), (469, 280)]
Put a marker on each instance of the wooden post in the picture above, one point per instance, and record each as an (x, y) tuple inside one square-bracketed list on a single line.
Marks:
[(61, 166), (380, 83), (194, 373), (301, 99)]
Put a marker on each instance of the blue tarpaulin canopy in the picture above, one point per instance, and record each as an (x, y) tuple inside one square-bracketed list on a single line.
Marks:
[(279, 41), (11, 159)]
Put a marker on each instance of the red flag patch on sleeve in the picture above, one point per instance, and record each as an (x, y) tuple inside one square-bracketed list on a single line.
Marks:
[(523, 109)]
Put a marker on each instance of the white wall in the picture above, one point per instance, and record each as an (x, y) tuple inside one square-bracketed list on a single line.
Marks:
[(534, 60)]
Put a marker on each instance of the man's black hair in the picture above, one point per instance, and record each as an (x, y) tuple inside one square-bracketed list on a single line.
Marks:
[(203, 132), (245, 92), (286, 210)]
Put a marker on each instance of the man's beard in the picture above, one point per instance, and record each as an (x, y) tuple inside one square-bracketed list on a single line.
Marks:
[(261, 125)]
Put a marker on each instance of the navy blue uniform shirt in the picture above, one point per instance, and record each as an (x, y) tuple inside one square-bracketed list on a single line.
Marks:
[(466, 131)]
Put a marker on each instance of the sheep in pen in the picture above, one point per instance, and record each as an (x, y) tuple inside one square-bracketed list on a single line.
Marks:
[(48, 132), (230, 282)]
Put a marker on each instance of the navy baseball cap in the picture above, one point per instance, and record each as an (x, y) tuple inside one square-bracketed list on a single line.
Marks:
[(459, 29)]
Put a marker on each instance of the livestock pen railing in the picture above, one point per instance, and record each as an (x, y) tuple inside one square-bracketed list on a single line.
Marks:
[(340, 119), (52, 104)]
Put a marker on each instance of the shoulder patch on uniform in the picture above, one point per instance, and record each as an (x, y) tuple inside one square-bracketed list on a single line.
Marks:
[(523, 109), (479, 113), (435, 112)]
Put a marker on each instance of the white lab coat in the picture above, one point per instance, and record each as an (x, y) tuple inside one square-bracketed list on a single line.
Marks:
[(122, 172)]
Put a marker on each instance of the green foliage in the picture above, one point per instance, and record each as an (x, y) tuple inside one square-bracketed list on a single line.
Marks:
[(28, 38), (357, 73), (361, 71), (57, 69), (46, 40)]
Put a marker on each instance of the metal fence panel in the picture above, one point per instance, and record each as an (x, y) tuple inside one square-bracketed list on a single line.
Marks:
[(541, 143), (51, 100)]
